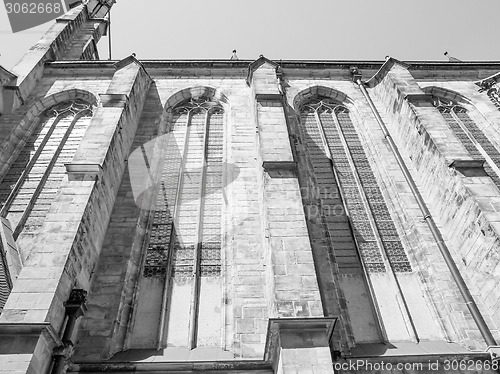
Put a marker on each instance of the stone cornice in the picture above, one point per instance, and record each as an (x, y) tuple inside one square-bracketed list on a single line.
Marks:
[(290, 64), (465, 71)]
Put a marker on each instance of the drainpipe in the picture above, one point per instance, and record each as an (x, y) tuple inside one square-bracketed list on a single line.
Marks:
[(75, 308), (455, 273)]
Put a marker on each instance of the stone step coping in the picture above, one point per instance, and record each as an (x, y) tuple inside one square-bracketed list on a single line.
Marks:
[(407, 348)]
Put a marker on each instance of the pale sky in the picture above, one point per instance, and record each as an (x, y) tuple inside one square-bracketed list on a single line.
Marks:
[(291, 29)]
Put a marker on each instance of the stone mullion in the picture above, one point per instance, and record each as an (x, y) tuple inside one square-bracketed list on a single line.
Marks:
[(211, 229), (195, 296), (173, 236), (211, 323), (188, 208)]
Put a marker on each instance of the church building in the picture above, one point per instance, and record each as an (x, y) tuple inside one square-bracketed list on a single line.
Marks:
[(246, 216)]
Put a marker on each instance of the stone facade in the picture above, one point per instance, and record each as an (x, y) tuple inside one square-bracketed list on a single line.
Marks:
[(246, 216)]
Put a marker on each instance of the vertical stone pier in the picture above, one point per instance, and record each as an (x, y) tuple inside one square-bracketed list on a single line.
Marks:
[(292, 282)]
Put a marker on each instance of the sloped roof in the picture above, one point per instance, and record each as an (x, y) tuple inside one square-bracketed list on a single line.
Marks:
[(6, 76), (257, 64)]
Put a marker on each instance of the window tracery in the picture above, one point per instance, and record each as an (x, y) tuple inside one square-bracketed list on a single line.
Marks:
[(329, 131)]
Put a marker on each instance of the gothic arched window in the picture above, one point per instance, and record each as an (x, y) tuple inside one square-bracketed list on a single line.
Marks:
[(30, 185), (329, 131), (469, 134), (183, 251)]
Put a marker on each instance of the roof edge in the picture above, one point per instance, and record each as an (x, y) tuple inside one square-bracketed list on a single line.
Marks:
[(384, 69), (6, 75), (255, 65)]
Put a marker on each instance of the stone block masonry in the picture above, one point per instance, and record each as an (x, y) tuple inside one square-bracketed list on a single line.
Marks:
[(307, 205), (66, 256), (417, 127)]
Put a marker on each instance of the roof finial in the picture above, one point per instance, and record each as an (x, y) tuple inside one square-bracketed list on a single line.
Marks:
[(234, 57), (451, 58)]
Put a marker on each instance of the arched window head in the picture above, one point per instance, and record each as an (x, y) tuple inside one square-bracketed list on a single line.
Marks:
[(321, 105), (447, 106), (70, 108), (198, 105)]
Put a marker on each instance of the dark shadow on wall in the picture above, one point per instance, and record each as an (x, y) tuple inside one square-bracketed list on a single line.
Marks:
[(110, 300), (323, 204), (114, 303)]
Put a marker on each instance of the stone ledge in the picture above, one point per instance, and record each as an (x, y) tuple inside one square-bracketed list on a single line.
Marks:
[(469, 168), (22, 328), (29, 329), (114, 100), (83, 172), (420, 100), (279, 165), (494, 351), (276, 326), (268, 97), (243, 367)]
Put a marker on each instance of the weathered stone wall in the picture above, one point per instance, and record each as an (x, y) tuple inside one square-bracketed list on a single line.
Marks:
[(278, 261), (429, 147), (69, 242), (245, 308), (413, 232)]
